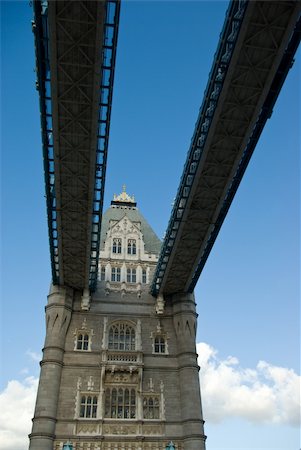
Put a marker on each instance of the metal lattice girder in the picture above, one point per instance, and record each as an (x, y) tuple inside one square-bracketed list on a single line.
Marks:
[(255, 52), (75, 51)]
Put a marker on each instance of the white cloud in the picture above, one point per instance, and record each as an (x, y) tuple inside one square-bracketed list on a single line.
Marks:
[(17, 402), (34, 355), (266, 394)]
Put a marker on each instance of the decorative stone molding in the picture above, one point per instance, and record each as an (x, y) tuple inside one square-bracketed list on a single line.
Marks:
[(162, 403), (153, 429), (86, 300), (121, 377), (160, 303), (159, 333), (138, 336), (90, 384), (83, 330), (112, 444), (151, 385), (105, 334), (87, 428), (120, 429)]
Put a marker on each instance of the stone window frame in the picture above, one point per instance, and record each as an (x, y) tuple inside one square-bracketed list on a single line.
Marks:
[(102, 273), (82, 341), (131, 246), (159, 334), (116, 274), (150, 408), (160, 345), (125, 334), (131, 275), (83, 332), (144, 276), (88, 410), (117, 245), (120, 401)]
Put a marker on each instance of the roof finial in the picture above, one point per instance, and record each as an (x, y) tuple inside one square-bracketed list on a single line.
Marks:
[(124, 198)]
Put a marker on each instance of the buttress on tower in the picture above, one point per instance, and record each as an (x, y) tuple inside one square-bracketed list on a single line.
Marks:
[(119, 368)]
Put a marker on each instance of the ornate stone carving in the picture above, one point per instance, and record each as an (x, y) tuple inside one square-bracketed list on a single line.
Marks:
[(79, 383), (105, 333), (138, 335), (162, 400), (153, 429), (87, 428), (120, 429), (151, 385), (86, 300), (122, 358), (121, 377), (90, 384), (160, 303)]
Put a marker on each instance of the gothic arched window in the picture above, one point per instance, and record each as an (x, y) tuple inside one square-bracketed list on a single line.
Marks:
[(122, 337), (116, 248), (151, 408), (88, 406), (132, 247), (120, 403)]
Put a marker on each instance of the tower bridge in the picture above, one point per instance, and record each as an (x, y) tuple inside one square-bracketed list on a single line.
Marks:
[(120, 317)]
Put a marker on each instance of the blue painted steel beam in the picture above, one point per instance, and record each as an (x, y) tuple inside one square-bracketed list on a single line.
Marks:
[(41, 32), (43, 85), (109, 48), (221, 63), (266, 112)]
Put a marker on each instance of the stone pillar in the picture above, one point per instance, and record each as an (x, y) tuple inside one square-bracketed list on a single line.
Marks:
[(184, 317), (58, 315)]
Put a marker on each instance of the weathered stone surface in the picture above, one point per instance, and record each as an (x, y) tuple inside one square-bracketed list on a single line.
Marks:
[(72, 374)]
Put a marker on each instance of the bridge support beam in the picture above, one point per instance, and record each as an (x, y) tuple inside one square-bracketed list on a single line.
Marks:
[(184, 316), (58, 315)]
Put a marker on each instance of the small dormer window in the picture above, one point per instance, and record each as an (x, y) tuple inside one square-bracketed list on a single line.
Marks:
[(116, 248), (132, 247)]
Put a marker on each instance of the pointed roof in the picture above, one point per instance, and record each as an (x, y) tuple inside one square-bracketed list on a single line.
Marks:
[(124, 205)]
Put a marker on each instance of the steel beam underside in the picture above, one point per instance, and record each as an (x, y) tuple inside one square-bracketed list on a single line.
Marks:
[(245, 80), (78, 49)]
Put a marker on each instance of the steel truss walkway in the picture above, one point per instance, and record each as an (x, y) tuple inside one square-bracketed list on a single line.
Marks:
[(75, 55), (254, 55)]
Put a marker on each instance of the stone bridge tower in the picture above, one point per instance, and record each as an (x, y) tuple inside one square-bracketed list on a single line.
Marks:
[(119, 370)]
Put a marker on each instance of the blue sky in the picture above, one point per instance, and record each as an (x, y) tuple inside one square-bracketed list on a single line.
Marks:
[(248, 293)]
